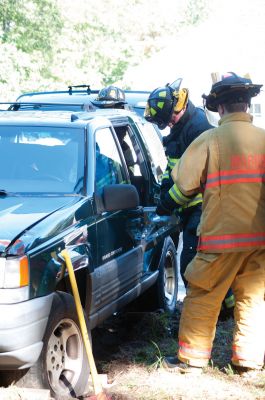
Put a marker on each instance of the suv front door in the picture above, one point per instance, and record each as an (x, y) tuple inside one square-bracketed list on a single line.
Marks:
[(119, 259)]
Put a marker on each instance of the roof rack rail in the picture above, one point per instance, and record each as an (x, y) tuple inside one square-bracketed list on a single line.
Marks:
[(70, 88), (8, 103), (27, 105)]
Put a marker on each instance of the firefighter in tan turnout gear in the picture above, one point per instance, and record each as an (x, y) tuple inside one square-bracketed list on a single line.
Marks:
[(226, 164)]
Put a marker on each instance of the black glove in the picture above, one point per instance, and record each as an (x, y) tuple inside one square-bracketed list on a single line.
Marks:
[(165, 206)]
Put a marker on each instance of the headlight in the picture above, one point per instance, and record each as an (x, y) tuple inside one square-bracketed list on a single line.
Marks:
[(14, 272)]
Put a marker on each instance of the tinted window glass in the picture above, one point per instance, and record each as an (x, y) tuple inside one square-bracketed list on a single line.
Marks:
[(109, 168), (155, 150), (41, 159)]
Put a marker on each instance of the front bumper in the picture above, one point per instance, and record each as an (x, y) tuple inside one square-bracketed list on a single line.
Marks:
[(22, 326)]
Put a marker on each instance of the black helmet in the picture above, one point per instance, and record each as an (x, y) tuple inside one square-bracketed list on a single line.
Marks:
[(230, 89), (163, 101), (110, 96)]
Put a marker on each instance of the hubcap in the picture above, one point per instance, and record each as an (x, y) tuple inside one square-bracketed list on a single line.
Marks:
[(64, 357), (169, 277)]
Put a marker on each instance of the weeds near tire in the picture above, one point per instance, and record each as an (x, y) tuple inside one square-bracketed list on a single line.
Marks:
[(159, 358), (229, 370)]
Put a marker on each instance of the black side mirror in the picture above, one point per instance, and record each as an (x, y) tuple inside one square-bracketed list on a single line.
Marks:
[(120, 197)]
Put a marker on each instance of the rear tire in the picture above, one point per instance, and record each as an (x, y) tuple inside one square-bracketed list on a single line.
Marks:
[(166, 287), (163, 295)]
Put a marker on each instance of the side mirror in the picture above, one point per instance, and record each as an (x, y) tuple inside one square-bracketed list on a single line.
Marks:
[(120, 197)]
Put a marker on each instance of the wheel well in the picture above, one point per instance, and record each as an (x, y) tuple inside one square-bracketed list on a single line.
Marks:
[(81, 279), (158, 254)]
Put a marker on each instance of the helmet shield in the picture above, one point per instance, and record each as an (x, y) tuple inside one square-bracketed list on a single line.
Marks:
[(230, 89), (176, 84)]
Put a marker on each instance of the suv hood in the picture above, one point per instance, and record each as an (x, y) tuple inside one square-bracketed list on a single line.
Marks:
[(18, 214)]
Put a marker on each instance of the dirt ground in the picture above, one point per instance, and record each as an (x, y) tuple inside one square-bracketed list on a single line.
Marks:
[(129, 348), (134, 345)]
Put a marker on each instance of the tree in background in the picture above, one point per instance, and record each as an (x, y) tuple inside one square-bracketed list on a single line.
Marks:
[(30, 25), (27, 31), (49, 44), (107, 36)]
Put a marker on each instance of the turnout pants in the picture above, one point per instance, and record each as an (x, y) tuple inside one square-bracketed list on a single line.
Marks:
[(209, 277)]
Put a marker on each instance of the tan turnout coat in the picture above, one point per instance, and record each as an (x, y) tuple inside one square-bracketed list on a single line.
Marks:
[(227, 164)]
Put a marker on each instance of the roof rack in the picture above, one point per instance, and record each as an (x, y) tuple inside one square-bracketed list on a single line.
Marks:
[(24, 106), (13, 106), (88, 90)]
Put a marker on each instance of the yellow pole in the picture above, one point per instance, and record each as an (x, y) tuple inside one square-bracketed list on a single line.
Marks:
[(93, 370)]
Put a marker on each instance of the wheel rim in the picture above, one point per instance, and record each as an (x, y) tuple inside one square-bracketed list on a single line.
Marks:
[(64, 357), (169, 278)]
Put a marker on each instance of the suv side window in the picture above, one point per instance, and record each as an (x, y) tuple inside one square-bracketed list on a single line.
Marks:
[(109, 168), (155, 150), (123, 135), (135, 160)]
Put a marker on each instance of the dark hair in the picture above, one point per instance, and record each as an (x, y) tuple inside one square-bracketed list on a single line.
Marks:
[(235, 107)]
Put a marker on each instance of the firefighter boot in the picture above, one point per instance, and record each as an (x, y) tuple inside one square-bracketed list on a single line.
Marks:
[(174, 365)]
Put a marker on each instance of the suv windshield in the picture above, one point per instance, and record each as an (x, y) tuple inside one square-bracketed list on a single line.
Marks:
[(41, 159)]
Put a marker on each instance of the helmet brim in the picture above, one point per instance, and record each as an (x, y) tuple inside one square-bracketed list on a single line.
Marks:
[(230, 93), (108, 103), (161, 124)]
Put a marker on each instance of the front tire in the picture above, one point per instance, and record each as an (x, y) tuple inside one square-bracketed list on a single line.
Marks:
[(63, 365), (64, 359)]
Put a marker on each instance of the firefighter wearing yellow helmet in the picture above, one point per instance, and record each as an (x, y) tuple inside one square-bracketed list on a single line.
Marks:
[(227, 163), (170, 106), (164, 103)]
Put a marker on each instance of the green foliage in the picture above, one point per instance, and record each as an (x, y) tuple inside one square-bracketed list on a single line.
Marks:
[(49, 44), (30, 25), (150, 355), (159, 357), (145, 355), (229, 370), (155, 329), (27, 41)]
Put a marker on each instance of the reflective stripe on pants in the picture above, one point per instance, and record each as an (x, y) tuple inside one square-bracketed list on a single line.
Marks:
[(210, 276)]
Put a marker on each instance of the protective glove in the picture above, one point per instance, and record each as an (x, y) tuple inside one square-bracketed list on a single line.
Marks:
[(165, 206)]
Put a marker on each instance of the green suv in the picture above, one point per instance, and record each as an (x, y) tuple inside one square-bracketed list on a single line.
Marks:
[(88, 182)]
